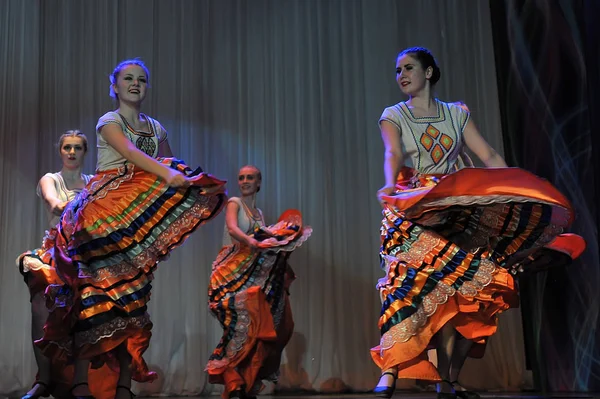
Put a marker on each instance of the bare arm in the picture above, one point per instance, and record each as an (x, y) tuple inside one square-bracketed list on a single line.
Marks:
[(113, 134), (393, 156), (231, 220), (50, 196), (481, 148)]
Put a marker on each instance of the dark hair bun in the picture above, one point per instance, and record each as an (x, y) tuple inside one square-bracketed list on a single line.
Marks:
[(426, 59)]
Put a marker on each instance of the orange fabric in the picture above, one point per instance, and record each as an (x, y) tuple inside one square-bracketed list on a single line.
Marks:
[(239, 260), (38, 267), (416, 248), (246, 293), (261, 328), (471, 317), (130, 196), (570, 244), (478, 182), (60, 323), (112, 201), (232, 381), (260, 355), (102, 381), (138, 340)]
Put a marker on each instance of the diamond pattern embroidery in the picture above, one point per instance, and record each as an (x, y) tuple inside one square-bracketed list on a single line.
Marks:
[(432, 131), (437, 154), (446, 142), (426, 141), (436, 143)]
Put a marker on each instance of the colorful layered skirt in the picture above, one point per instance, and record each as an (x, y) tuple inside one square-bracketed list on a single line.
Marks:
[(38, 269), (248, 295), (37, 266), (450, 246), (108, 244)]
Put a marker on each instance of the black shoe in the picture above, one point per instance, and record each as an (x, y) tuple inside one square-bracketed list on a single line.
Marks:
[(44, 393), (238, 393), (447, 395), (465, 394), (386, 392), (80, 397)]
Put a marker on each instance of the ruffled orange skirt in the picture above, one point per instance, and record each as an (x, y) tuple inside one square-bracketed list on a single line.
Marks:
[(38, 270), (109, 242), (248, 294), (37, 266), (447, 244)]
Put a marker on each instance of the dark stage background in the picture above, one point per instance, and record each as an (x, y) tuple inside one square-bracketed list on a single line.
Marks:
[(547, 61)]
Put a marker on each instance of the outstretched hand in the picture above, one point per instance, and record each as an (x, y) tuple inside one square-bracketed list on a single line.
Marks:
[(177, 179), (384, 191)]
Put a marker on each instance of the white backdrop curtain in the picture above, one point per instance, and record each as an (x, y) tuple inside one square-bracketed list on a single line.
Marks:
[(293, 86)]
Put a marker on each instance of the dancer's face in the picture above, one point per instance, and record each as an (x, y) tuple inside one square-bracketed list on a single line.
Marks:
[(410, 75), (72, 152), (248, 181), (131, 84)]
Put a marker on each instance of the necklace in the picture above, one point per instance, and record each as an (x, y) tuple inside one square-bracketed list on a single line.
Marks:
[(250, 213)]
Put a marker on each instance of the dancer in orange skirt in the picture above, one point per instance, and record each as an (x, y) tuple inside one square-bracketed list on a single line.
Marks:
[(450, 236), (37, 267), (130, 216), (248, 292)]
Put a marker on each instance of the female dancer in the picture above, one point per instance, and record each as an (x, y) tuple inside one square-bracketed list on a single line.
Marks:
[(448, 238), (131, 215), (56, 189), (248, 291)]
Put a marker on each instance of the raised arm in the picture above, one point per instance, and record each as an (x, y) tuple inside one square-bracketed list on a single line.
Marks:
[(50, 196), (390, 135), (481, 148), (231, 220), (113, 134)]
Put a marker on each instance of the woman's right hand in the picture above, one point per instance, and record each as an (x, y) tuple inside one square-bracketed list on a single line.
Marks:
[(58, 210), (176, 179), (385, 191), (252, 242)]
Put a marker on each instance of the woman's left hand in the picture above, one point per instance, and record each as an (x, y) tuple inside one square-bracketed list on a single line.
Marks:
[(384, 191)]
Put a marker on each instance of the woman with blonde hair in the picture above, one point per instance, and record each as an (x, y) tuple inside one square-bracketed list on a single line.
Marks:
[(249, 291), (57, 190), (140, 205)]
